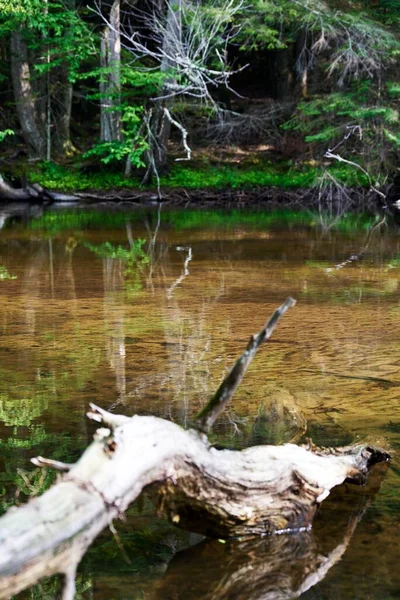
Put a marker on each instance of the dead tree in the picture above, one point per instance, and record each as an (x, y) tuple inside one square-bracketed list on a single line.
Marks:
[(220, 493)]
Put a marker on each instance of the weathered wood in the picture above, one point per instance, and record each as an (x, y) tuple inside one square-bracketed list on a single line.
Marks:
[(278, 567), (33, 193), (7, 192), (206, 418), (220, 493)]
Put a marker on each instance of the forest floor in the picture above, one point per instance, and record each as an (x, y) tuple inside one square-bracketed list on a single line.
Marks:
[(217, 176)]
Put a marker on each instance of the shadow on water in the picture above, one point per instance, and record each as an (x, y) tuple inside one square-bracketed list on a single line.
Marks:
[(275, 568)]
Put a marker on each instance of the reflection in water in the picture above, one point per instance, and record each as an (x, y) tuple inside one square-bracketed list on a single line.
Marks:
[(280, 567), (114, 323), (153, 329)]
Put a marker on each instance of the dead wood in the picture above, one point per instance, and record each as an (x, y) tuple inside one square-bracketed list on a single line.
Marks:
[(32, 193), (220, 493), (206, 418), (278, 567)]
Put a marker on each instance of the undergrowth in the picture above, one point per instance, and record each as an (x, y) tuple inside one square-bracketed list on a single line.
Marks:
[(283, 176)]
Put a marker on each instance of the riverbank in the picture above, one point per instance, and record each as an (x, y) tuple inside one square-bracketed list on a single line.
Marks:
[(331, 189)]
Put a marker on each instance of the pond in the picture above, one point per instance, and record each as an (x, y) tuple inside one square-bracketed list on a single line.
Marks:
[(144, 311)]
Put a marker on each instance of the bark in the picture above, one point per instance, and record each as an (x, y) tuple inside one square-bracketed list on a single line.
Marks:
[(279, 567), (31, 192), (302, 64), (160, 126), (63, 119), (110, 86), (63, 93), (7, 192), (32, 129), (219, 493)]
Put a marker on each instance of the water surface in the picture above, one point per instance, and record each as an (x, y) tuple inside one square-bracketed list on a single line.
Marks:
[(144, 312)]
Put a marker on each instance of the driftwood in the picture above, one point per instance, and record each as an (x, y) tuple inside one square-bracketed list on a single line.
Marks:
[(32, 193), (276, 567), (220, 493)]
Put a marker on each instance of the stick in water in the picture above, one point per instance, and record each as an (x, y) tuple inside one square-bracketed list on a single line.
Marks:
[(208, 415)]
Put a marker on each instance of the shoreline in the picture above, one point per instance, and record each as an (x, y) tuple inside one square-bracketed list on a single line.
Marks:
[(354, 199)]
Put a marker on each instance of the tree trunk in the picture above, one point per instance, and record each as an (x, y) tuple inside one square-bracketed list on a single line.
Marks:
[(160, 126), (7, 192), (219, 493), (63, 94), (62, 119), (302, 64), (110, 85), (32, 128), (31, 193)]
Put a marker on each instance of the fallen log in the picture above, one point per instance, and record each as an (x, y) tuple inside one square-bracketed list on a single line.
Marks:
[(220, 493), (32, 193), (276, 567)]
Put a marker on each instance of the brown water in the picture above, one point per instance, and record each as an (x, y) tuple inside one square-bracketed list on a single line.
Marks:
[(155, 333)]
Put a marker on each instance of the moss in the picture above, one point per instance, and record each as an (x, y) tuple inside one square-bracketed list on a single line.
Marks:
[(74, 178), (199, 175)]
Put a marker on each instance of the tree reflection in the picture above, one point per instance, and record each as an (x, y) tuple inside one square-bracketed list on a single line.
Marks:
[(279, 567)]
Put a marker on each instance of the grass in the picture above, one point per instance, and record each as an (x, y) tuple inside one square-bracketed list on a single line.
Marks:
[(195, 176)]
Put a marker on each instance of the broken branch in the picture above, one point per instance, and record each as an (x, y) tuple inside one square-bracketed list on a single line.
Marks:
[(208, 415)]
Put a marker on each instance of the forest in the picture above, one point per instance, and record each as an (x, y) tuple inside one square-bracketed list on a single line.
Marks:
[(176, 175), (223, 94)]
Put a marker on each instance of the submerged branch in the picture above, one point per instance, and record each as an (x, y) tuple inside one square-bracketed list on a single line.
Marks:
[(208, 415)]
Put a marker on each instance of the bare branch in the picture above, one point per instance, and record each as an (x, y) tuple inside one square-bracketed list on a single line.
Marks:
[(207, 416), (184, 134), (39, 461), (106, 418)]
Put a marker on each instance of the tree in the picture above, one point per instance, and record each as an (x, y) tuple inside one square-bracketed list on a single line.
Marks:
[(110, 77), (188, 44), (43, 69)]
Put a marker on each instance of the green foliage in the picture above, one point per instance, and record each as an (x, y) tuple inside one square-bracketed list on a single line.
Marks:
[(370, 127), (142, 82), (84, 219), (283, 176), (231, 177), (22, 411), (80, 220), (4, 274), (133, 254), (132, 146), (267, 24), (51, 28), (5, 133), (59, 177), (134, 259)]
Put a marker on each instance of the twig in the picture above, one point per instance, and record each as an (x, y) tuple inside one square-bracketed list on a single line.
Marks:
[(39, 461), (184, 133), (207, 416), (106, 418)]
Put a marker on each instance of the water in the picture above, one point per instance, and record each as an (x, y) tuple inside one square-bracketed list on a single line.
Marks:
[(90, 313)]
